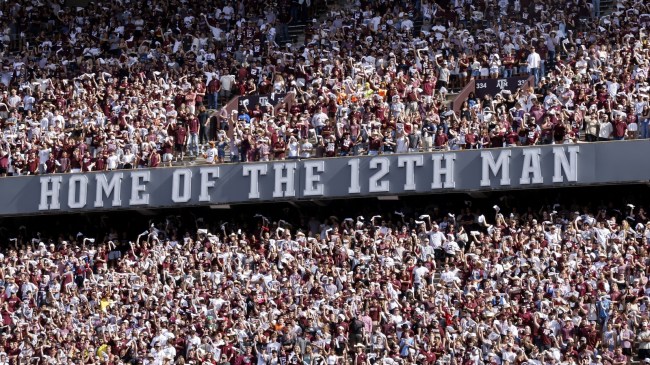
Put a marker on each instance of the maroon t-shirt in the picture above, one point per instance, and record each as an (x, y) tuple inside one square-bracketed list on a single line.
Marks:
[(100, 164), (181, 134), (193, 125), (375, 144), (85, 163), (155, 160), (279, 149), (619, 128)]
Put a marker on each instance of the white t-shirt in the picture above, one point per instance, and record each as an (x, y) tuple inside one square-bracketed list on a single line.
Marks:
[(534, 61), (210, 155), (606, 130), (227, 81), (305, 149), (112, 161), (437, 238), (293, 149), (419, 273), (128, 158)]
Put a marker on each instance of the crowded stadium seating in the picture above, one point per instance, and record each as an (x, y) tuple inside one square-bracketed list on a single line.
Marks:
[(82, 92), (559, 279), (482, 278)]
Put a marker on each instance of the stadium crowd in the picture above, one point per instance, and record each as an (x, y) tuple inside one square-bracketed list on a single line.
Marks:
[(84, 90), (547, 284)]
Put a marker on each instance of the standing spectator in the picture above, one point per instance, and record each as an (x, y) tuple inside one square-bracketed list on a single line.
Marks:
[(605, 128), (205, 128), (64, 165), (306, 148), (193, 139), (533, 62), (180, 139), (644, 124), (51, 164), (211, 154), (619, 127), (591, 124), (279, 149), (440, 140), (112, 161), (128, 159), (154, 159), (4, 163), (644, 341), (213, 90)]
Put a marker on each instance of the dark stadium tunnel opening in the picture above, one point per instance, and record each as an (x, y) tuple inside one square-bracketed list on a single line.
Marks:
[(297, 214)]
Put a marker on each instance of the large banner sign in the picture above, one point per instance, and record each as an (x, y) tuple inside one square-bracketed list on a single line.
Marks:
[(495, 86), (416, 173)]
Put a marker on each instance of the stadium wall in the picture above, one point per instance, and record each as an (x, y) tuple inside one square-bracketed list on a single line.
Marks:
[(332, 178)]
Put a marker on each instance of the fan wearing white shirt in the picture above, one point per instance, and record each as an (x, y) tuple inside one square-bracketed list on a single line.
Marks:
[(306, 148), (419, 276), (112, 161), (534, 62), (211, 154)]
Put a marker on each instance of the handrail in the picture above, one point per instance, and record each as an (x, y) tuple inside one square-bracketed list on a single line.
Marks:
[(463, 94)]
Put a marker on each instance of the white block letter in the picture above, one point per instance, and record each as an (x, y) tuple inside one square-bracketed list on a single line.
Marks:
[(105, 188), (50, 193), (531, 166), (448, 171), (375, 186), (312, 178), (254, 171), (355, 186), (73, 202), (282, 179), (138, 188), (410, 161), (206, 182), (561, 164), (489, 165), (182, 196)]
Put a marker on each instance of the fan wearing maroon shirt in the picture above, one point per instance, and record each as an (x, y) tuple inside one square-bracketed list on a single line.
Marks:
[(199, 90), (87, 162), (4, 163), (559, 131), (532, 136), (100, 162), (214, 86), (180, 134), (32, 163), (345, 144), (19, 164), (193, 141), (64, 163), (50, 164), (471, 139), (620, 127), (496, 138), (330, 146), (360, 357), (257, 112), (511, 137), (75, 161), (440, 140), (266, 86), (154, 159), (375, 144), (279, 149)]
